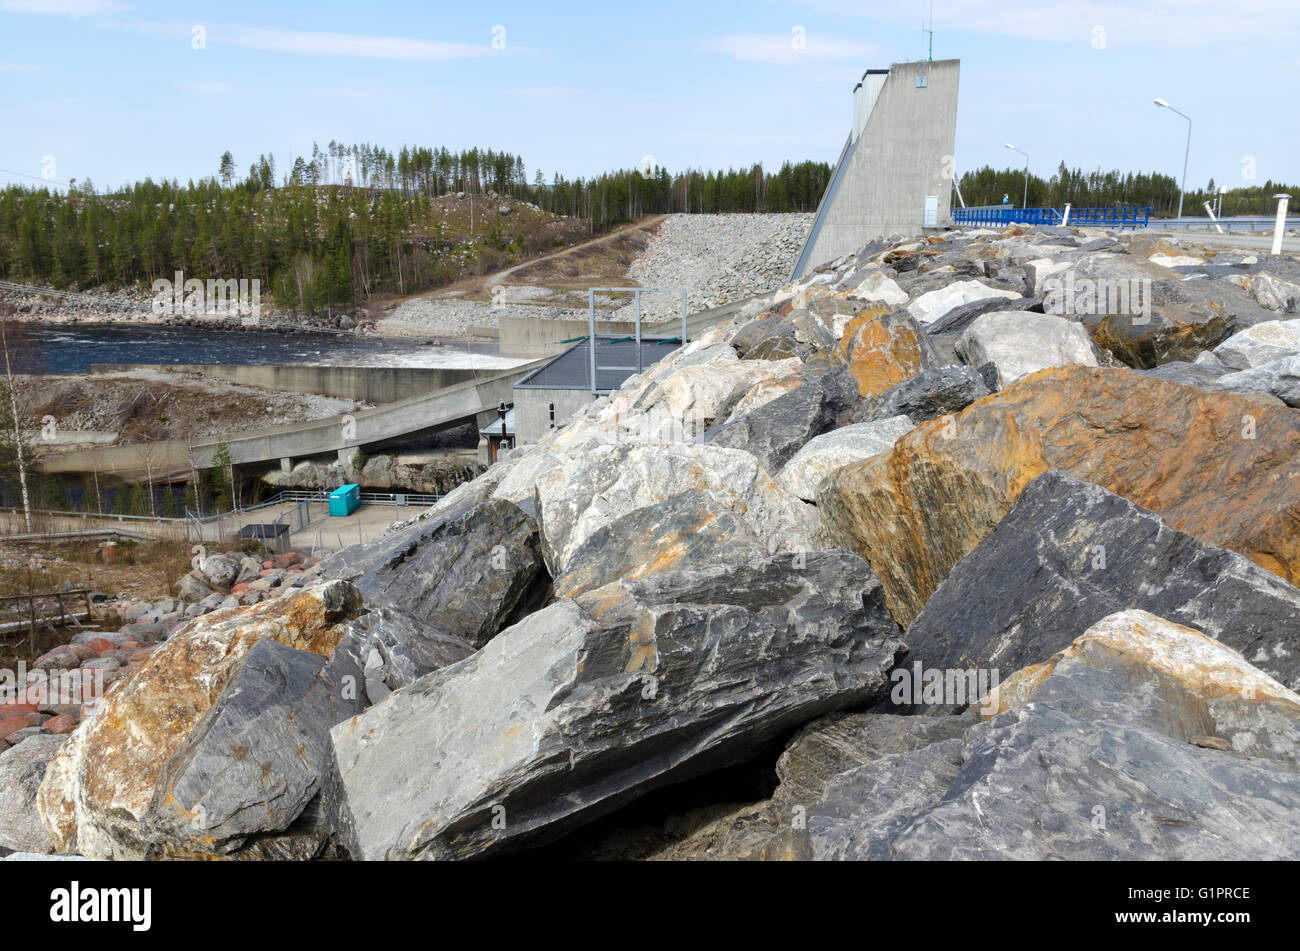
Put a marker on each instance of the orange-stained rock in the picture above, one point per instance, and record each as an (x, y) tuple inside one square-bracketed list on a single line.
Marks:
[(884, 347), (99, 645), (1222, 467), (101, 782)]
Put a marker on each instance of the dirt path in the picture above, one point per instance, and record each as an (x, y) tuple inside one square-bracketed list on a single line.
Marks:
[(596, 261)]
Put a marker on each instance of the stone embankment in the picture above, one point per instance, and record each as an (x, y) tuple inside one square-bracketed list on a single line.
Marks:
[(967, 556)]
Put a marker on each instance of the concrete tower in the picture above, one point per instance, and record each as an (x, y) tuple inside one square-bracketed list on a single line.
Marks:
[(895, 173)]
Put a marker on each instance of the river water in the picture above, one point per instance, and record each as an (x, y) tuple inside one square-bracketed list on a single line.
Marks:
[(72, 348)]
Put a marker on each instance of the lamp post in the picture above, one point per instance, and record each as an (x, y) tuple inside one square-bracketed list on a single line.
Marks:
[(1188, 151), (1024, 202)]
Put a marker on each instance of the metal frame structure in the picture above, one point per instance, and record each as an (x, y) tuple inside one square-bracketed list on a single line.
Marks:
[(591, 324)]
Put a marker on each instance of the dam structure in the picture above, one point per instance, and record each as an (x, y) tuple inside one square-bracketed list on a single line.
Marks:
[(894, 175)]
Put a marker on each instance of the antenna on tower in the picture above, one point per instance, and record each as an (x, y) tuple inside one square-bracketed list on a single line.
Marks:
[(930, 30)]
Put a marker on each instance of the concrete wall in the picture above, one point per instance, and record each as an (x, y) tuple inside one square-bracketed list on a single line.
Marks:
[(532, 410), (539, 337), (376, 385), (905, 152)]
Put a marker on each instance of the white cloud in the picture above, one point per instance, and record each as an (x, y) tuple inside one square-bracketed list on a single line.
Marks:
[(356, 45), (71, 8), (789, 49), (1154, 23)]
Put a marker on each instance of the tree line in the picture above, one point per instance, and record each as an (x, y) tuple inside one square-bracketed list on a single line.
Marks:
[(343, 223), (987, 186)]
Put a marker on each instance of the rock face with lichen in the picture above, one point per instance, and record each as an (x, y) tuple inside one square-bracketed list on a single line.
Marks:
[(99, 785), (1222, 467)]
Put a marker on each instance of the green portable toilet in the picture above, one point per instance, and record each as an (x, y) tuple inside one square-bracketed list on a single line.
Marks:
[(345, 499)]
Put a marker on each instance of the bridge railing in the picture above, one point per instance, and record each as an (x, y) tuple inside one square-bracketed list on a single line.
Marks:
[(1118, 219)]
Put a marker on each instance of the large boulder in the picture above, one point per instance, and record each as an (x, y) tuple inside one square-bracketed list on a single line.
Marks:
[(1070, 553), (21, 770), (577, 499), (1280, 378), (826, 453), (100, 784), (1143, 740), (691, 528), (934, 305), (1018, 343), (1221, 467), (470, 570), (1260, 344), (776, 430), (393, 648), (1165, 334), (937, 391), (592, 702), (884, 348), (220, 571), (249, 768)]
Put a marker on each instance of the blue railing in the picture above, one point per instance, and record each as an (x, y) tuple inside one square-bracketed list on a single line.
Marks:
[(1114, 218)]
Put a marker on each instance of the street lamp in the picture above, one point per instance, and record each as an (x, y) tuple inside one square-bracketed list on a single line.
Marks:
[(1183, 188), (1024, 203)]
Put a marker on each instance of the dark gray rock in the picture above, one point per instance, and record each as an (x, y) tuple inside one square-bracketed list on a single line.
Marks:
[(931, 393), (589, 703), (1202, 375), (775, 431), (392, 649), (959, 318), (1070, 553), (1115, 758), (253, 763), (21, 770), (470, 570)]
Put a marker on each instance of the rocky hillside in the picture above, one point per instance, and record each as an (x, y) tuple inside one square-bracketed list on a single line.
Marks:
[(952, 563), (721, 258)]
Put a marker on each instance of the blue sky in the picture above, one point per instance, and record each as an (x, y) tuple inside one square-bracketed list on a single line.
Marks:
[(115, 90)]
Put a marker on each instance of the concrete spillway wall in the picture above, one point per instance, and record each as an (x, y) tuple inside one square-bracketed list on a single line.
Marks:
[(902, 156), (376, 385)]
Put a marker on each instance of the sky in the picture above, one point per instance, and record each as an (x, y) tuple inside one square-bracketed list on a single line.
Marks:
[(117, 90)]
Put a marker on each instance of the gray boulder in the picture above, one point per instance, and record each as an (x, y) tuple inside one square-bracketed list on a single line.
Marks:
[(589, 703), (688, 529), (21, 770), (470, 570), (1069, 553), (1280, 378), (933, 392), (1260, 344), (778, 429), (240, 784), (219, 571), (1128, 750), (1019, 343), (826, 453)]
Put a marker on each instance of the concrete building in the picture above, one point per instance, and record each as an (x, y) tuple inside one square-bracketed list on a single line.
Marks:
[(563, 385), (895, 171)]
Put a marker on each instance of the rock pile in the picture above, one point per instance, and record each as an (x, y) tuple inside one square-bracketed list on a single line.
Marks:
[(967, 567), (721, 258)]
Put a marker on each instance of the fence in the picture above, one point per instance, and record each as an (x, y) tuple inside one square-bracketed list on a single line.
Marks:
[(1118, 219), (190, 526)]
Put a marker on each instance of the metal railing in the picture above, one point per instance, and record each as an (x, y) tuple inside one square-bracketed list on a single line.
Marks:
[(285, 495), (1114, 218)]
